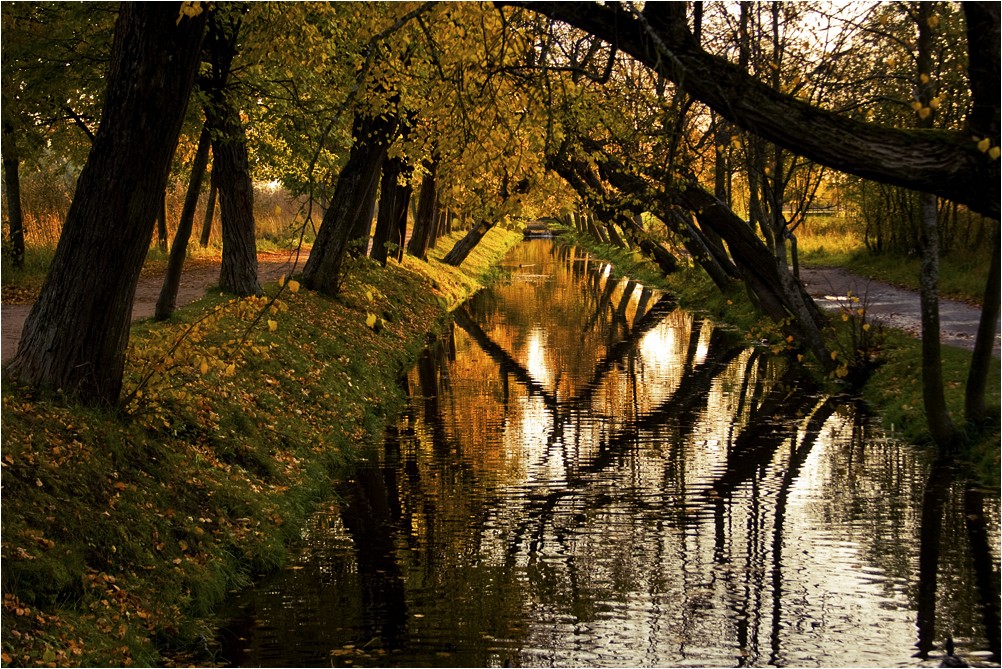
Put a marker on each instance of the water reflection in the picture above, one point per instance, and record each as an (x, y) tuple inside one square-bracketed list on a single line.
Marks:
[(587, 475)]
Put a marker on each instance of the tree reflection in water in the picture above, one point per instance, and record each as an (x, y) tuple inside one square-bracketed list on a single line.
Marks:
[(587, 475)]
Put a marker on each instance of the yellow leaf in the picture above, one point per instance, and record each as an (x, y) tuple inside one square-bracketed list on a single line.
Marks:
[(984, 145), (993, 152), (272, 325), (860, 311), (934, 103), (278, 210), (924, 78), (231, 369), (293, 286), (834, 355), (368, 295), (370, 320), (281, 280), (924, 112), (916, 105), (866, 327), (204, 367), (933, 21)]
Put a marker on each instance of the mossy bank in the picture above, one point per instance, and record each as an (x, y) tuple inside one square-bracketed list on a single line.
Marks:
[(121, 529)]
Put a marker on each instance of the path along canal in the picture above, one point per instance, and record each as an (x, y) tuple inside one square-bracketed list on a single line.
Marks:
[(586, 475)]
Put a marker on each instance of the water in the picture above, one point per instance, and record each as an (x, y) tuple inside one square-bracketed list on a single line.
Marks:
[(588, 476)]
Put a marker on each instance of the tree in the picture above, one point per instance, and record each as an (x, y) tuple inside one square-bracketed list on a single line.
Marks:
[(947, 164), (74, 339), (167, 301), (238, 273)]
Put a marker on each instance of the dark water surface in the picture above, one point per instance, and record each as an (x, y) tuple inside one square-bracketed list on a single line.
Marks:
[(588, 476)]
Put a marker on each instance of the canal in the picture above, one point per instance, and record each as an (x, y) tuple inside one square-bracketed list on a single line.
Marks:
[(587, 475)]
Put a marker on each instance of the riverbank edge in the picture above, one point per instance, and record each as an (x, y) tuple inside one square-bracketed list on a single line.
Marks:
[(123, 531), (893, 392)]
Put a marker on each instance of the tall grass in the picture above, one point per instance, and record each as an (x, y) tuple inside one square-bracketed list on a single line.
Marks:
[(46, 198), (837, 241)]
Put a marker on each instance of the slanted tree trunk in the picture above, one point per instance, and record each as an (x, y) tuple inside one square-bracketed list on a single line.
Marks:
[(238, 273), (210, 211), (391, 221), (372, 137), (12, 183), (167, 301), (977, 377), (464, 246), (425, 219), (76, 334)]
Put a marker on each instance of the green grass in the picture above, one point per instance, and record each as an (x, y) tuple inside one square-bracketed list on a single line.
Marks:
[(122, 528), (836, 243)]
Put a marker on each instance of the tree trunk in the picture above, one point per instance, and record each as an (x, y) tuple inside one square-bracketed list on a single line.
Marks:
[(162, 224), (391, 220), (12, 182), (425, 220), (210, 210), (75, 337), (977, 377), (464, 246), (238, 273), (167, 301), (372, 136), (938, 416)]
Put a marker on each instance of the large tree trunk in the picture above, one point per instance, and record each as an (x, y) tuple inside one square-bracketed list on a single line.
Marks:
[(372, 137), (391, 221), (937, 161), (167, 301), (210, 210), (12, 183), (977, 377), (425, 220), (238, 273), (75, 336), (464, 246)]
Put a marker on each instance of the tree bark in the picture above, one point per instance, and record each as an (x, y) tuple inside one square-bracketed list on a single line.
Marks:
[(75, 337), (937, 161), (162, 224), (210, 210), (391, 221), (238, 273), (372, 137), (464, 246), (167, 301), (425, 220), (12, 184), (977, 377)]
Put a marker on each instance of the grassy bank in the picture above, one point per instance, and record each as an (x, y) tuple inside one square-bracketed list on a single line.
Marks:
[(121, 529), (894, 391)]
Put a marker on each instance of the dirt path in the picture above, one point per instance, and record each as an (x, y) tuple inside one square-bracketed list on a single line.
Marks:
[(198, 275), (892, 306)]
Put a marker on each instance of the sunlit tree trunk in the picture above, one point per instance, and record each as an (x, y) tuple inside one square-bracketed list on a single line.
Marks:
[(76, 334), (464, 246)]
